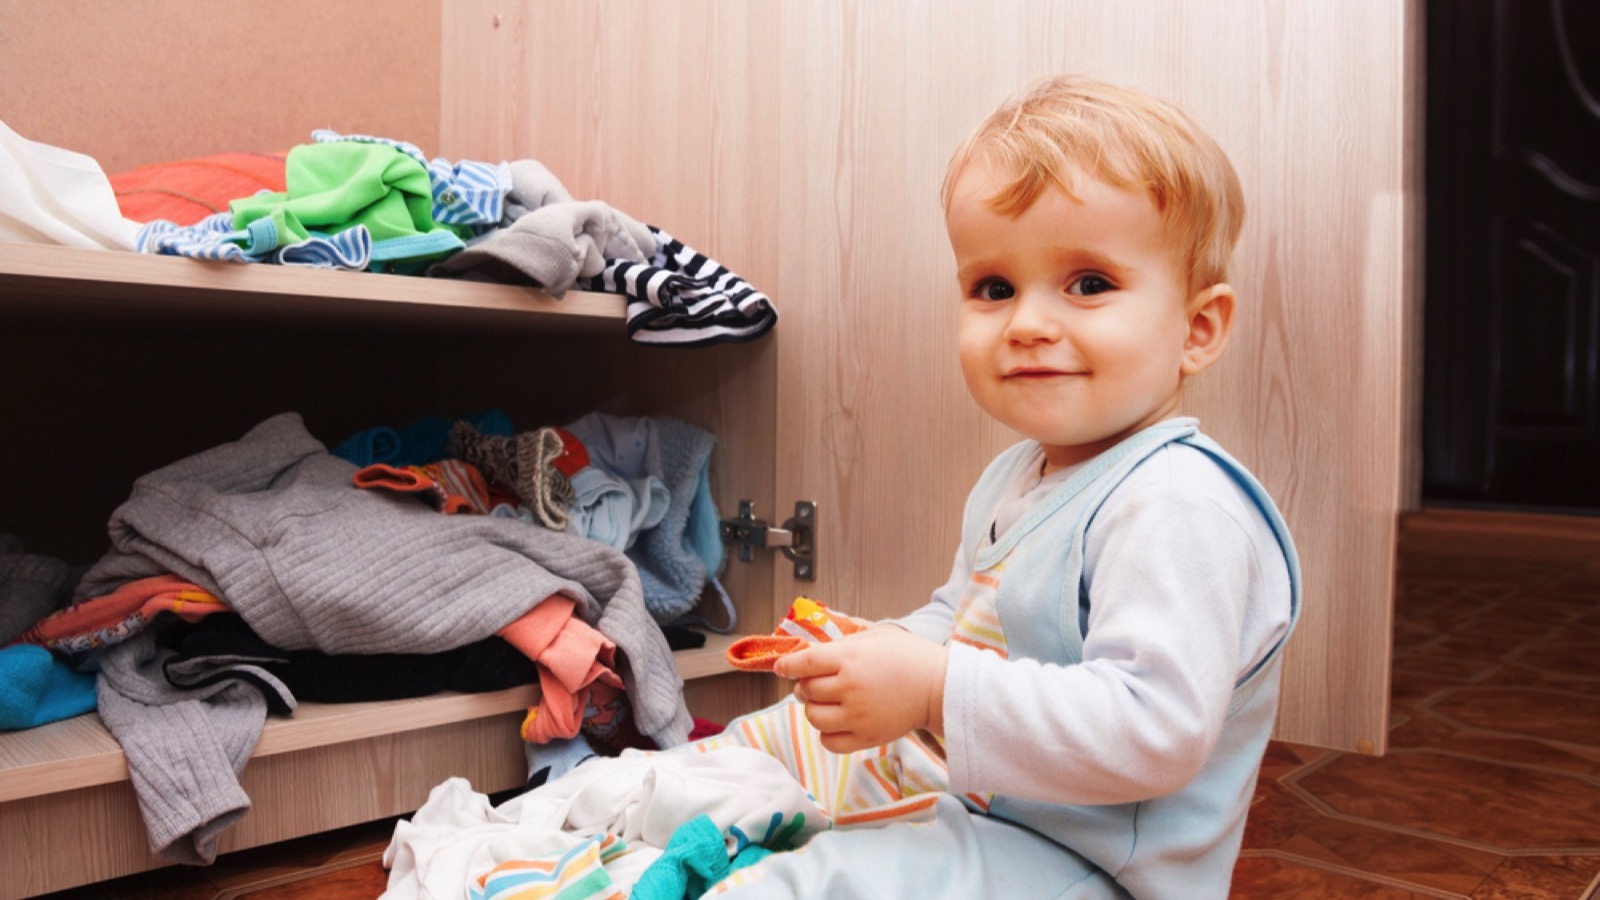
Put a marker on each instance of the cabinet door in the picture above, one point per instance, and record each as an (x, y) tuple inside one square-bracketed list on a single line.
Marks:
[(803, 145)]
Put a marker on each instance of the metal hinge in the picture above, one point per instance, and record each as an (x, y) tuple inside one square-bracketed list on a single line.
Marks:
[(797, 538)]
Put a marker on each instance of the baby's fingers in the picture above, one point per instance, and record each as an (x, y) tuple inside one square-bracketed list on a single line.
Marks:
[(808, 663)]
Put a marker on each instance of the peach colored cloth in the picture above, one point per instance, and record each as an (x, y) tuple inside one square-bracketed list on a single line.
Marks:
[(575, 667), (112, 618)]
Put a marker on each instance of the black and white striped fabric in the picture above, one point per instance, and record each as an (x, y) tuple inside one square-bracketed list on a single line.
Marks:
[(683, 298)]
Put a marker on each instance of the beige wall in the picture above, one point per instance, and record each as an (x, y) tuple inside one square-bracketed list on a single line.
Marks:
[(131, 82)]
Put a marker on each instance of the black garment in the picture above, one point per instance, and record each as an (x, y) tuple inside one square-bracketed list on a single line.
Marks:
[(223, 646)]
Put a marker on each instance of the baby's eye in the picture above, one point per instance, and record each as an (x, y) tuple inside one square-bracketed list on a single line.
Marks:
[(1089, 285), (994, 289)]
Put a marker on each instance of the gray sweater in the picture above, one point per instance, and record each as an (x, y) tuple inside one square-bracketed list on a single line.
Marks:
[(273, 525)]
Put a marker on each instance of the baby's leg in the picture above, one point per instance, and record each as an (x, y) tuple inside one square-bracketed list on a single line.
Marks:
[(872, 786), (958, 854)]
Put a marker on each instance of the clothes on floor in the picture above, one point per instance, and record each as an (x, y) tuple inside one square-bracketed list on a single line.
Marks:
[(458, 836)]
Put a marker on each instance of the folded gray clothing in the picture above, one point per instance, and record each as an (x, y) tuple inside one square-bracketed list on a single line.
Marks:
[(274, 525), (31, 587), (185, 748), (532, 186), (554, 245)]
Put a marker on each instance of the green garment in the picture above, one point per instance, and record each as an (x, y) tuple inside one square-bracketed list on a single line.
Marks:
[(340, 184)]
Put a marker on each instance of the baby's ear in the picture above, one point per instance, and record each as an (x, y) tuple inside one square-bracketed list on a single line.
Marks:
[(1210, 314)]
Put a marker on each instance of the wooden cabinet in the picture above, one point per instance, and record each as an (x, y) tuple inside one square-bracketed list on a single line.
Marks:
[(128, 362)]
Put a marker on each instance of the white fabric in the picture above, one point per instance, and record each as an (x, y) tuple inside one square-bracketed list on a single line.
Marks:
[(642, 797), (53, 196)]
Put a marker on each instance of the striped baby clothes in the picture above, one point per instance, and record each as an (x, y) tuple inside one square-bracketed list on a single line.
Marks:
[(683, 298)]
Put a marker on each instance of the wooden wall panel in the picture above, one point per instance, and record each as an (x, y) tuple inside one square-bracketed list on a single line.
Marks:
[(664, 111), (143, 81), (803, 144)]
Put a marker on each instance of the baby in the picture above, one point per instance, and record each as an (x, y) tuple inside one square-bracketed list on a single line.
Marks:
[(1084, 704)]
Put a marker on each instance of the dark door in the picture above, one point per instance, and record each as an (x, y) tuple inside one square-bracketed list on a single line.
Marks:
[(1512, 302)]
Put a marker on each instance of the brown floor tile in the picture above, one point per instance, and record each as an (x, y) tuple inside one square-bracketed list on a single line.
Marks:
[(1540, 878), (1268, 878), (1572, 659), (1507, 626), (1421, 732), (1514, 674), (1282, 757), (359, 882), (1462, 669), (1408, 688), (1498, 806), (1407, 858), (1522, 752), (1545, 715), (1276, 816)]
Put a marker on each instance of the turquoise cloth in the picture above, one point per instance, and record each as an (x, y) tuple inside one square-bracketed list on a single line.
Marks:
[(37, 688), (696, 857)]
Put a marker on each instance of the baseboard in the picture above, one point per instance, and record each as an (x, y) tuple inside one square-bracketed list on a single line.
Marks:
[(1486, 521)]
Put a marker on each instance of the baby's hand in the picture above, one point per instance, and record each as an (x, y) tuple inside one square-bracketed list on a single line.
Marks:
[(869, 688)]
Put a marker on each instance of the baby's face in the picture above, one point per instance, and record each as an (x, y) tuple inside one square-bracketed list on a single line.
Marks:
[(1073, 322)]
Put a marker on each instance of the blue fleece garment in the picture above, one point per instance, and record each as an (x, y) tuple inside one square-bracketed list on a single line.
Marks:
[(36, 688)]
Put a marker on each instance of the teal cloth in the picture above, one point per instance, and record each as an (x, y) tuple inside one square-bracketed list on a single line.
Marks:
[(37, 688), (696, 857)]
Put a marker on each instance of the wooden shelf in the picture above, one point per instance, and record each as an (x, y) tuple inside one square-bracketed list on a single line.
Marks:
[(79, 752), (53, 279)]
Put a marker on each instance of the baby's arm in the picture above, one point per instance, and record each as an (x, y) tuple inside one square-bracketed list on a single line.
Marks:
[(1139, 716)]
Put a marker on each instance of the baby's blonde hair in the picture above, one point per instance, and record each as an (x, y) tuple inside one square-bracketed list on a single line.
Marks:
[(1124, 137)]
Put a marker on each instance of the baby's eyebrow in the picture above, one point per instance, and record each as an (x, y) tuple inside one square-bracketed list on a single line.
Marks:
[(1090, 259), (972, 270)]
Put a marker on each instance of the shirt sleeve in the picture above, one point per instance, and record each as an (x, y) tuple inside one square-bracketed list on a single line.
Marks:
[(1169, 572)]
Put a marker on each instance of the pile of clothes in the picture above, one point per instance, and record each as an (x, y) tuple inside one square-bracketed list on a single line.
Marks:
[(442, 554), (353, 201)]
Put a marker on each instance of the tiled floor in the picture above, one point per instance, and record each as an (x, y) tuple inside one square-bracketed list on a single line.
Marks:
[(1490, 789)]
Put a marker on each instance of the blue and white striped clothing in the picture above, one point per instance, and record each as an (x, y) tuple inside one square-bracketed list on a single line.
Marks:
[(214, 237), (468, 193), (683, 298)]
